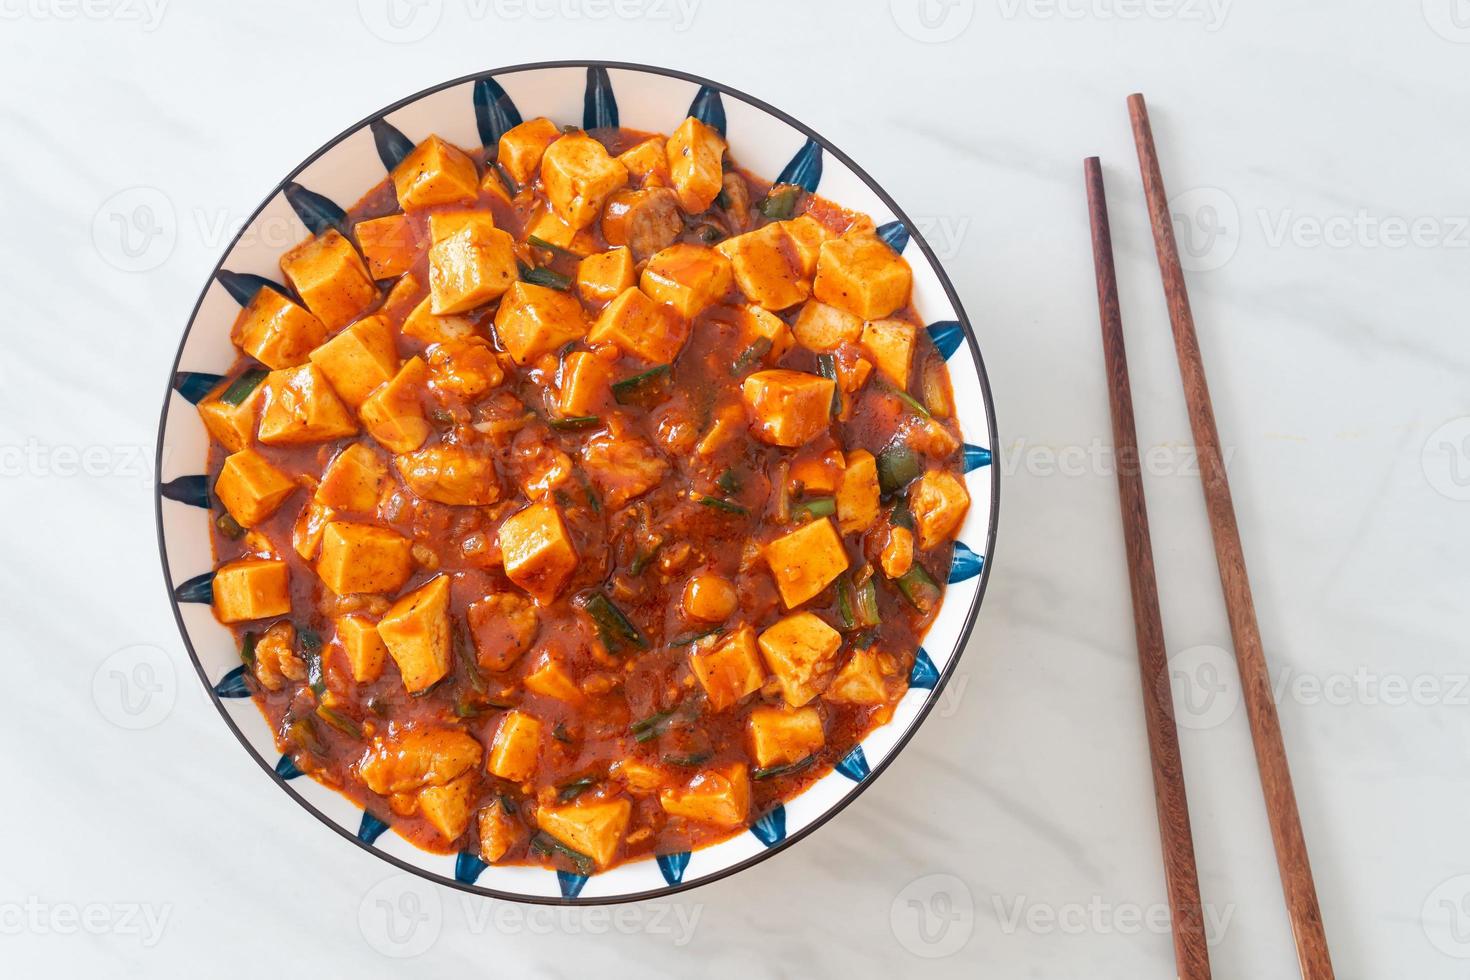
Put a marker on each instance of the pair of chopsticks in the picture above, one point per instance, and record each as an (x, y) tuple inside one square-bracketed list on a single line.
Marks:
[(1191, 953)]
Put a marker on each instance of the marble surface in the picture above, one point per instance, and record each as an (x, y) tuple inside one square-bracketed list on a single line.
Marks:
[(1316, 154)]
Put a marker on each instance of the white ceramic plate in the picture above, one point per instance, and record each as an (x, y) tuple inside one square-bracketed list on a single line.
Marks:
[(474, 111)]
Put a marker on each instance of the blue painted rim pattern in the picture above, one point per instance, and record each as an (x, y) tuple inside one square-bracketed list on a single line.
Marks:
[(494, 110)]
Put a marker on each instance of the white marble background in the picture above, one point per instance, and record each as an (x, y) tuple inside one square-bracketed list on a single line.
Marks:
[(1317, 152)]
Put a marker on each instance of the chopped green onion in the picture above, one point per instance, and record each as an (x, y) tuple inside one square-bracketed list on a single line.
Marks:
[(691, 760), (908, 400), (865, 609), (311, 652), (507, 180), (572, 790), (542, 276), (650, 727), (751, 356), (243, 386), (728, 481), (718, 504), (548, 845), (688, 638), (814, 508), (302, 733), (640, 561), (228, 526), (560, 733), (616, 630), (247, 649), (845, 602), (540, 242), (339, 721), (770, 772), (827, 368), (574, 423), (898, 466), (643, 389), (378, 706), (918, 587), (780, 203), (901, 515)]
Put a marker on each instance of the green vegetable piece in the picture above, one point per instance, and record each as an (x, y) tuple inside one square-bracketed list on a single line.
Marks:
[(616, 630), (572, 790), (827, 368), (247, 649), (242, 387), (814, 507), (771, 772), (643, 389), (919, 588), (727, 506), (691, 760), (780, 203), (751, 356), (339, 721), (898, 466), (228, 526), (550, 846), (574, 423), (541, 276)]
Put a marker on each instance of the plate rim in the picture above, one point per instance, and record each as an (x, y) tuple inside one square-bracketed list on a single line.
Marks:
[(971, 614)]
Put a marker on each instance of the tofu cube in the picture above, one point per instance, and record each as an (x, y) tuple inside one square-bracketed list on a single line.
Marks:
[(577, 175), (820, 327), (647, 162), (450, 474), (435, 173), (443, 224), (503, 626), (538, 551), (416, 631), (251, 588), (331, 278), (601, 278), (716, 796), (362, 646), (394, 413), (779, 736), (300, 407), (807, 235), (470, 268), (640, 778), (447, 807), (690, 278), (585, 383), (730, 670), (424, 326), (869, 677), (862, 275), (250, 488), (939, 501), (593, 829), (815, 473), (233, 426), (549, 678), (695, 155), (766, 267), (857, 493), (515, 748), (889, 344), (359, 359), (641, 327), (521, 148), (805, 560), (728, 424), (306, 533), (353, 480), (535, 320), (405, 294), (547, 226), (801, 651), (788, 408), (756, 324), (276, 331), (363, 558), (388, 244)]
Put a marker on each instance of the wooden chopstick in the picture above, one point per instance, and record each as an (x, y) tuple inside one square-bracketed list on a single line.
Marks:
[(1191, 952), (1281, 810)]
